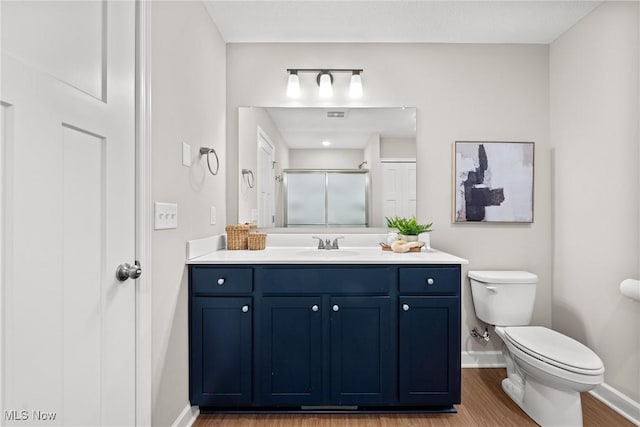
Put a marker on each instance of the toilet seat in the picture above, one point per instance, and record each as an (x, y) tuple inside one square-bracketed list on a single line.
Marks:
[(555, 349)]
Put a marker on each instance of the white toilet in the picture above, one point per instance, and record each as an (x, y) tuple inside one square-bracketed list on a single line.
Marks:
[(546, 371)]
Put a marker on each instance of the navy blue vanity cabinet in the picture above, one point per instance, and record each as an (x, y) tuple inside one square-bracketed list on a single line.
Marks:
[(276, 337), (325, 335), (429, 336), (220, 339)]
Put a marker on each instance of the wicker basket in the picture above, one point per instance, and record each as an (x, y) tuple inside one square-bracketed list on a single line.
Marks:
[(257, 241), (237, 236)]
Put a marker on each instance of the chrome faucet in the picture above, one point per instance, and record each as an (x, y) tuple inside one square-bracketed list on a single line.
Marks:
[(326, 244), (335, 242), (320, 242)]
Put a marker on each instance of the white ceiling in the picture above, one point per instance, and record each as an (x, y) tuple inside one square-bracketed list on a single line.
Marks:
[(308, 127), (401, 21)]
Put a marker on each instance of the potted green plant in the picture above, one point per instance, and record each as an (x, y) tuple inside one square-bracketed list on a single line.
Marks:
[(408, 228)]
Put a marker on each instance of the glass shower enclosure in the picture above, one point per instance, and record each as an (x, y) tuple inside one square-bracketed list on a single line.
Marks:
[(325, 197)]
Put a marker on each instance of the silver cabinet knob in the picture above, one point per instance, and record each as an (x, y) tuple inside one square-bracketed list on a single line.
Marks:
[(430, 281), (221, 281), (405, 307), (336, 307), (315, 307), (126, 271), (245, 308)]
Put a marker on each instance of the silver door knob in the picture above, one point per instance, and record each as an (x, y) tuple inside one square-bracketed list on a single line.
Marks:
[(336, 307), (315, 307), (245, 308), (430, 281), (126, 271), (405, 307)]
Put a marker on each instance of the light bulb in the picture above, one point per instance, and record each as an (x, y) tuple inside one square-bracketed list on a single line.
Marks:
[(355, 88), (326, 90), (293, 86)]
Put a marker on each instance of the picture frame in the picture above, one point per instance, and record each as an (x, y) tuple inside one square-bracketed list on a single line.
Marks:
[(493, 182)]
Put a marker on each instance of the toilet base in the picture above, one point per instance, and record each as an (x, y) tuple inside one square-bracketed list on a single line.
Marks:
[(547, 406), (542, 397)]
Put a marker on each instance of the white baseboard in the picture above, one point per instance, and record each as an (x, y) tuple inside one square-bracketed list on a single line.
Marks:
[(187, 417), (483, 359), (622, 404)]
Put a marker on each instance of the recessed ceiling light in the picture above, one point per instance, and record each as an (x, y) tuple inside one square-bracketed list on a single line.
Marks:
[(326, 143)]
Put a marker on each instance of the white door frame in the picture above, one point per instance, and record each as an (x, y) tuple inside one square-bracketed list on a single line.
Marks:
[(144, 212), (3, 195)]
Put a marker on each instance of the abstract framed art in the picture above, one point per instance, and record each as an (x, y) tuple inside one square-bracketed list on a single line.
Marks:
[(493, 181)]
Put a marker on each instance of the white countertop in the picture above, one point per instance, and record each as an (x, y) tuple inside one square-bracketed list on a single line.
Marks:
[(312, 255)]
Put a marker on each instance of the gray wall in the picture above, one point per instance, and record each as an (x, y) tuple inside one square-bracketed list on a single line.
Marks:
[(595, 138), (325, 158), (398, 148), (188, 85), (462, 92)]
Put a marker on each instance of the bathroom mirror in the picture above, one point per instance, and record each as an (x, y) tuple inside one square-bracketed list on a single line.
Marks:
[(378, 142)]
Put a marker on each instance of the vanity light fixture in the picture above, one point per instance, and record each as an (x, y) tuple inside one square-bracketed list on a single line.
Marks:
[(293, 86), (355, 88), (324, 79)]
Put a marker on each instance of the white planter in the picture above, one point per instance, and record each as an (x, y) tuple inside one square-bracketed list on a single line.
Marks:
[(426, 238), (392, 236), (408, 238)]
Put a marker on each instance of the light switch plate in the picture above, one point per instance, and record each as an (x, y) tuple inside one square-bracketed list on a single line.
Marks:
[(186, 154), (166, 216), (213, 215)]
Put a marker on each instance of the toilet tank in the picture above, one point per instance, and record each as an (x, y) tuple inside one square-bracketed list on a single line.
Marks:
[(503, 297)]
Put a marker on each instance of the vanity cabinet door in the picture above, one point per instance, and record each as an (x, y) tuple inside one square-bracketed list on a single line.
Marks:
[(429, 351), (361, 367), (220, 351), (289, 345)]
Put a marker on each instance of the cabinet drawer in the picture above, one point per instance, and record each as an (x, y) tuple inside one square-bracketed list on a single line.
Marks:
[(334, 280), (215, 280), (430, 280)]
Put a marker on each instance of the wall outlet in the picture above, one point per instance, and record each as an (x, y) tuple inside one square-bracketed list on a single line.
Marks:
[(213, 216), (254, 215), (186, 154), (166, 216)]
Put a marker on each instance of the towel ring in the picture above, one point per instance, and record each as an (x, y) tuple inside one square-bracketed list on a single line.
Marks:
[(247, 174), (208, 151)]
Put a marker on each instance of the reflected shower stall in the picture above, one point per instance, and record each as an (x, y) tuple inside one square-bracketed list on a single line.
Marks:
[(325, 198)]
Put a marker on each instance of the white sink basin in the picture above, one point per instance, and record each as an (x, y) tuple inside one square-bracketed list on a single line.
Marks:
[(334, 253)]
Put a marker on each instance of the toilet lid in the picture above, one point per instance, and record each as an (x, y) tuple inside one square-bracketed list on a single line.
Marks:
[(503, 276), (554, 348)]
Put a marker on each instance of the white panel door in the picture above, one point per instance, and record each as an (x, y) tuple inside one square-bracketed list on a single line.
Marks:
[(266, 181), (68, 149), (398, 189)]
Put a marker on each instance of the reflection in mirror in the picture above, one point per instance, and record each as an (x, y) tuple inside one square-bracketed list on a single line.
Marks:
[(326, 197), (380, 143)]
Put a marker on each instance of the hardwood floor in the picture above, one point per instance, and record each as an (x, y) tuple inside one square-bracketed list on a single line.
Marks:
[(483, 404)]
